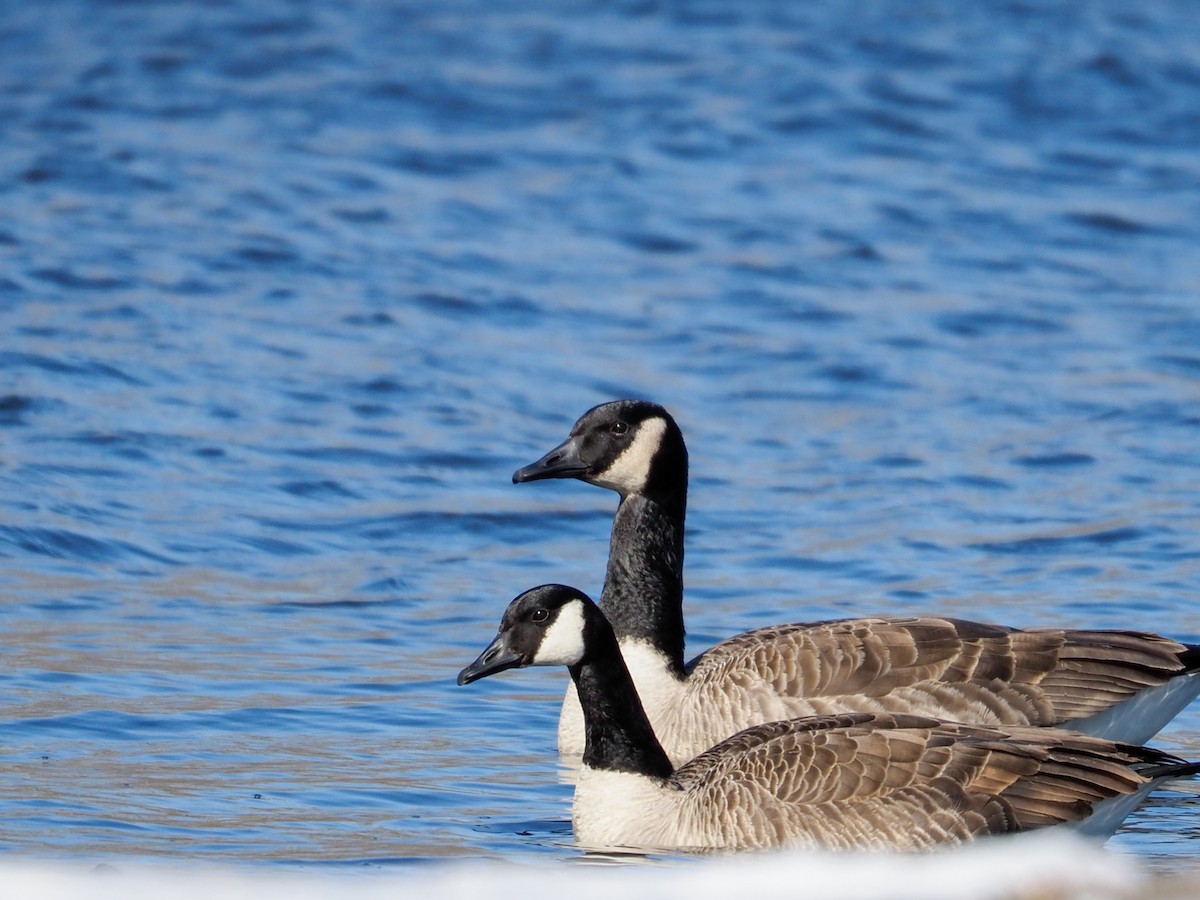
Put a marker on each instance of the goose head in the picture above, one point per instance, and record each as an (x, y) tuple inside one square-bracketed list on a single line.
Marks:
[(545, 626), (627, 446)]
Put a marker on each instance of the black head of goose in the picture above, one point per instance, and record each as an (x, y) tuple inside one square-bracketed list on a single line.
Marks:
[(854, 781), (1122, 685), (634, 448)]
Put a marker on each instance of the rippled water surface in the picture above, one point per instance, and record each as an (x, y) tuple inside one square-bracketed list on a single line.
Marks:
[(287, 291)]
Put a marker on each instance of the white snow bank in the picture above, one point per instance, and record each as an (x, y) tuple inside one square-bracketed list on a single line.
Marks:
[(1035, 866)]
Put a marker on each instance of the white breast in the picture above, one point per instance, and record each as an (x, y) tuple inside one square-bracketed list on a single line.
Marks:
[(619, 810)]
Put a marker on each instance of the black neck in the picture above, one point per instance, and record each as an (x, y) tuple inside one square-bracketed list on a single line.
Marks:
[(617, 735), (643, 585)]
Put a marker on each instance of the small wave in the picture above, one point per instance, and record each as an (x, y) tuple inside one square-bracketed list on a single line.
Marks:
[(650, 242), (1188, 366), (324, 488), (1051, 545), (995, 323), (13, 408), (443, 163), (88, 369), (62, 544), (1055, 460), (70, 278), (1108, 222)]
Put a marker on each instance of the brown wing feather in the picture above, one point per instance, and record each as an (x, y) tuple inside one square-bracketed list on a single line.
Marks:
[(861, 780), (1096, 669), (940, 667)]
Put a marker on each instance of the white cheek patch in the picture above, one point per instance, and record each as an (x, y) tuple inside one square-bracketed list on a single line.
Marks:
[(629, 471), (562, 644)]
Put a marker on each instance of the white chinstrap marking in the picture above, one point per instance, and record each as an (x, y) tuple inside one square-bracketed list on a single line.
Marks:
[(562, 644), (628, 472)]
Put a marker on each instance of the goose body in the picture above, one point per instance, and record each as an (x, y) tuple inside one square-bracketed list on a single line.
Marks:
[(850, 781), (1122, 685)]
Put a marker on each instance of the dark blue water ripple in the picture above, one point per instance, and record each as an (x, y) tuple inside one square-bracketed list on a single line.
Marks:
[(1055, 545), (88, 369), (1055, 460), (62, 544)]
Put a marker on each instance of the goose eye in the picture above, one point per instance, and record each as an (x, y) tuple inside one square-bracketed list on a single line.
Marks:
[(618, 428), (540, 615)]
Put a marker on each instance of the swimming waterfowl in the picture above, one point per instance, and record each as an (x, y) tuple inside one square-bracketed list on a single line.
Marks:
[(852, 781), (1123, 685)]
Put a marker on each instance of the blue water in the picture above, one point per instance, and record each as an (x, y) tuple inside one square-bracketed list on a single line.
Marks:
[(287, 291)]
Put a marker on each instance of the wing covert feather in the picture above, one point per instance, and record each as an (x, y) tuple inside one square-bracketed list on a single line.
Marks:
[(932, 666), (880, 780)]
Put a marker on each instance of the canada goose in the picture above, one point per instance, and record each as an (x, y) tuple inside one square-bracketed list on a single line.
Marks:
[(1122, 685), (851, 781)]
